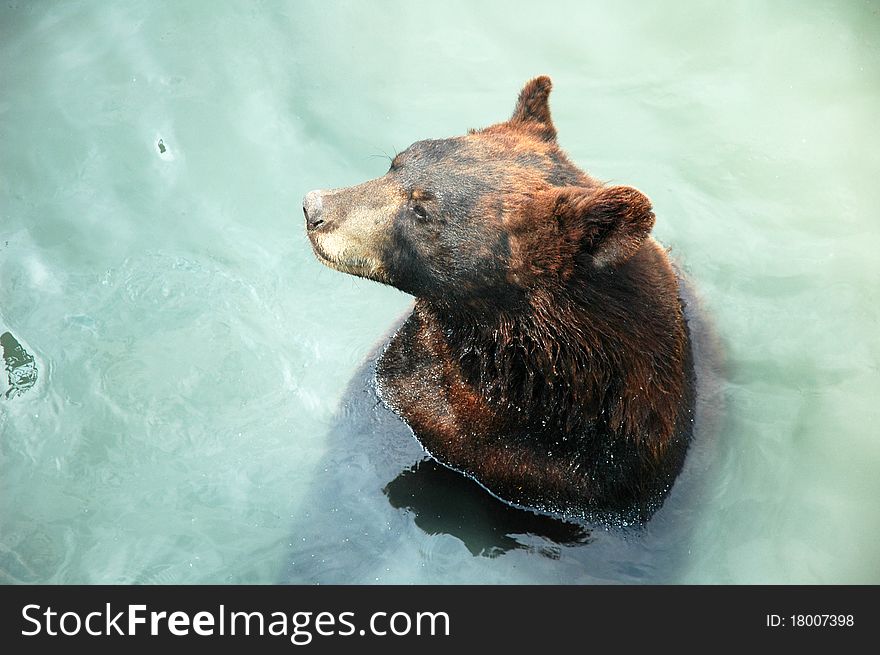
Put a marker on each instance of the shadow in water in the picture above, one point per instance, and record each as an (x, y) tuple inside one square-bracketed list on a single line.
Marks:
[(445, 502)]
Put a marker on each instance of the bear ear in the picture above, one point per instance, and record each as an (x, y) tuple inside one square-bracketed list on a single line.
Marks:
[(610, 223), (533, 109)]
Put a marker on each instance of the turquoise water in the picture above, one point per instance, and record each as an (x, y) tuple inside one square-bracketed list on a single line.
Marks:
[(192, 357)]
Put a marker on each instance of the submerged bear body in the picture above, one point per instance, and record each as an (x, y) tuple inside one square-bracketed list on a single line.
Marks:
[(547, 355)]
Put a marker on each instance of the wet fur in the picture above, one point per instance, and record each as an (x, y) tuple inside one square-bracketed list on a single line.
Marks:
[(547, 355), (542, 406)]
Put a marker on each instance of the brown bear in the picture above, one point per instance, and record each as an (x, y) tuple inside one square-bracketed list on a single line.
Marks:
[(547, 355)]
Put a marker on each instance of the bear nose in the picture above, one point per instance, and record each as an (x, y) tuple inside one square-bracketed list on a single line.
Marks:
[(313, 208)]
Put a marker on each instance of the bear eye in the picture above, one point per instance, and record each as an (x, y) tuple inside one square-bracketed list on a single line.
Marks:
[(420, 211)]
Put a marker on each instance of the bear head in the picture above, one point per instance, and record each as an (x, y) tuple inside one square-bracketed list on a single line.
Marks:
[(481, 221)]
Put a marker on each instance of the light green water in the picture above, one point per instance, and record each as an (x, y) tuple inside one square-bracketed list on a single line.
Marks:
[(192, 354)]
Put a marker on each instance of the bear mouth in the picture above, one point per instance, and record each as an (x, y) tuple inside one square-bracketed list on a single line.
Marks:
[(357, 266)]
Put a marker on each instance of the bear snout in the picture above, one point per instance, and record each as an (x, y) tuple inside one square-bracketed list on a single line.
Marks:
[(313, 209)]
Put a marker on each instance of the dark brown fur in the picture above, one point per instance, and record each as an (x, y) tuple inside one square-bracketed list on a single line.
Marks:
[(547, 355)]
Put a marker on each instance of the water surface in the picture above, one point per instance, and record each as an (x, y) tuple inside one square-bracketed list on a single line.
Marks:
[(190, 357)]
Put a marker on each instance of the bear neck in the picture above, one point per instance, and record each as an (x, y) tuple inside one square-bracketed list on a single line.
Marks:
[(570, 359), (518, 360)]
